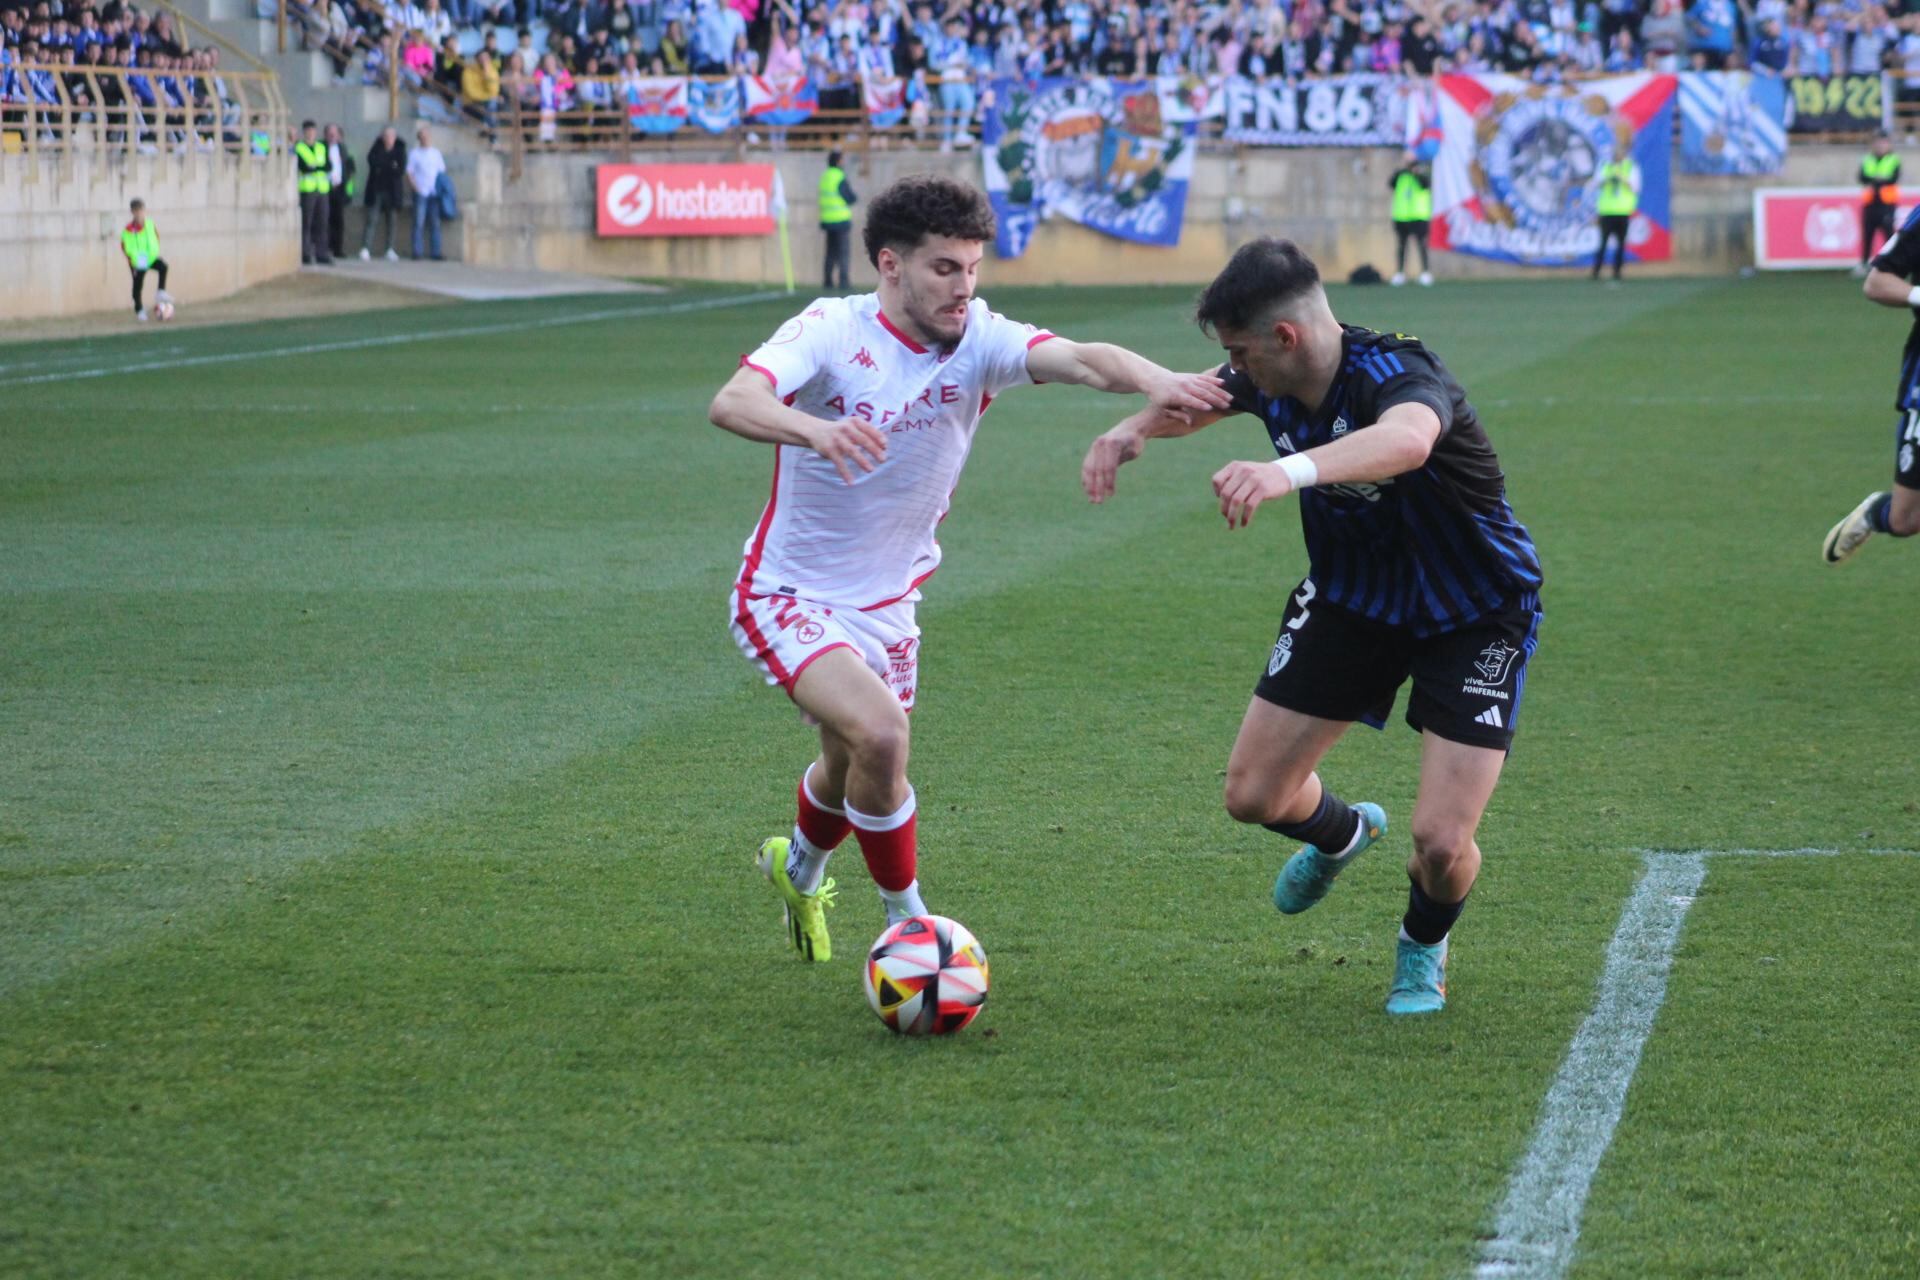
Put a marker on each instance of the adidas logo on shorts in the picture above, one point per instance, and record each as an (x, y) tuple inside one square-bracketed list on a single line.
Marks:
[(1491, 716)]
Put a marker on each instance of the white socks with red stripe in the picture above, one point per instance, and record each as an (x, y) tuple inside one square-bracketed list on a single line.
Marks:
[(889, 844)]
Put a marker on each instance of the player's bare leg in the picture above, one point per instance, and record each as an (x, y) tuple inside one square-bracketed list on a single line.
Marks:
[(1271, 781), (1456, 782), (862, 720)]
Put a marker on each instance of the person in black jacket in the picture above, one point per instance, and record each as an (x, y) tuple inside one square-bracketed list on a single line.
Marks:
[(343, 170), (386, 166)]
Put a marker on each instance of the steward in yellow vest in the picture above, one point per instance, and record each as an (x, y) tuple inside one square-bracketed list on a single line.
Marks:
[(1412, 186), (836, 220), (140, 241), (1618, 199), (1879, 196), (312, 162)]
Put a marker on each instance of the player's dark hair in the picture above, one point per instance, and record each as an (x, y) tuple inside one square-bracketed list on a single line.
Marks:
[(137, 204), (1262, 275), (921, 205)]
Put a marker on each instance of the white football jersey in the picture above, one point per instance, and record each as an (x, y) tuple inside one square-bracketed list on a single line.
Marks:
[(870, 543)]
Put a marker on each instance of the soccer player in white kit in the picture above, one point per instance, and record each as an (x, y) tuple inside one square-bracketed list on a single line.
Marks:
[(871, 403)]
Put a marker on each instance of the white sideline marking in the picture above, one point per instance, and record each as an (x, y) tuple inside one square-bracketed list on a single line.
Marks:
[(1538, 1224), (397, 339)]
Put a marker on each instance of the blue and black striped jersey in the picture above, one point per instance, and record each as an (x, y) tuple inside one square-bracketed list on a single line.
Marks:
[(1901, 256), (1432, 550)]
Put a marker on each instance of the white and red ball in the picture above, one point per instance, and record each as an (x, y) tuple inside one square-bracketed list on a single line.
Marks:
[(926, 976), (163, 311)]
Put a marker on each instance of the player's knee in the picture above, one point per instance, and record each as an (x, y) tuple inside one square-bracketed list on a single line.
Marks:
[(1441, 846), (1254, 799), (879, 742)]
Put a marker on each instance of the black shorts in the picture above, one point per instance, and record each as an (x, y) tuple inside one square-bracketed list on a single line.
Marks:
[(1338, 665), (1906, 449)]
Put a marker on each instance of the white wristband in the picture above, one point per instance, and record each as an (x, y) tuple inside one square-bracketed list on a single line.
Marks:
[(1913, 296), (1300, 469)]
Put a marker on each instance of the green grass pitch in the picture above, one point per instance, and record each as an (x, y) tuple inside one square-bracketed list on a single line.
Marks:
[(378, 785)]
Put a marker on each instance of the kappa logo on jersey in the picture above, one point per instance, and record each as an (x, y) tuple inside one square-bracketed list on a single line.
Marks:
[(1282, 653), (863, 358), (1493, 664)]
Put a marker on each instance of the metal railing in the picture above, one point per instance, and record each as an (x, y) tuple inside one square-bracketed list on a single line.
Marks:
[(62, 110)]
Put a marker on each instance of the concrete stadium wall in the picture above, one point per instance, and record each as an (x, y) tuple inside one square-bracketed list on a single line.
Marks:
[(1334, 202), (226, 222)]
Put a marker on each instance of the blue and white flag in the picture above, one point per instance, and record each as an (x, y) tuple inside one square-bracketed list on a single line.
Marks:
[(1108, 154), (715, 105), (1732, 122)]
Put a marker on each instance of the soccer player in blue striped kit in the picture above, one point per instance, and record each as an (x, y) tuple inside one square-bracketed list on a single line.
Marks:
[(1894, 511), (1417, 567)]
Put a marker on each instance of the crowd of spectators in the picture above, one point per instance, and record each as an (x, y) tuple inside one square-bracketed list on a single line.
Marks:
[(571, 56), (65, 63)]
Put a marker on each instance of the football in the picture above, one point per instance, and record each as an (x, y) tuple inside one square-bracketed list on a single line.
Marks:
[(926, 976), (163, 311)]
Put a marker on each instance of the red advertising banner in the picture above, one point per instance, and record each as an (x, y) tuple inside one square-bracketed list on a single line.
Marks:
[(684, 199), (1801, 227)]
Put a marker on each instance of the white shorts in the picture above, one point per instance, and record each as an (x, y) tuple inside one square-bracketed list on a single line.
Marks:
[(783, 634)]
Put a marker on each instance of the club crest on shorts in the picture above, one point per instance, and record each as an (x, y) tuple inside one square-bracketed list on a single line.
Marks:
[(1494, 662), (1282, 653), (1490, 671)]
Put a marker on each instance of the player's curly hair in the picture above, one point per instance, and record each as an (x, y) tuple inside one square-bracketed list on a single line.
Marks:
[(921, 205), (1262, 276)]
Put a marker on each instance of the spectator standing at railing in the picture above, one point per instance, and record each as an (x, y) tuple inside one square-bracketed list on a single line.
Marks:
[(673, 49), (425, 166), (1663, 34), (386, 172), (839, 91), (1907, 59), (716, 27), (342, 178), (1711, 28), (1813, 49), (1769, 51), (311, 163), (957, 99), (1871, 48)]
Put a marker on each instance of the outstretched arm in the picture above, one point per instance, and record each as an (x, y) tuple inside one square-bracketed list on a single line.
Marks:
[(1105, 367), (1398, 443), (1125, 441), (747, 406), (1888, 289)]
